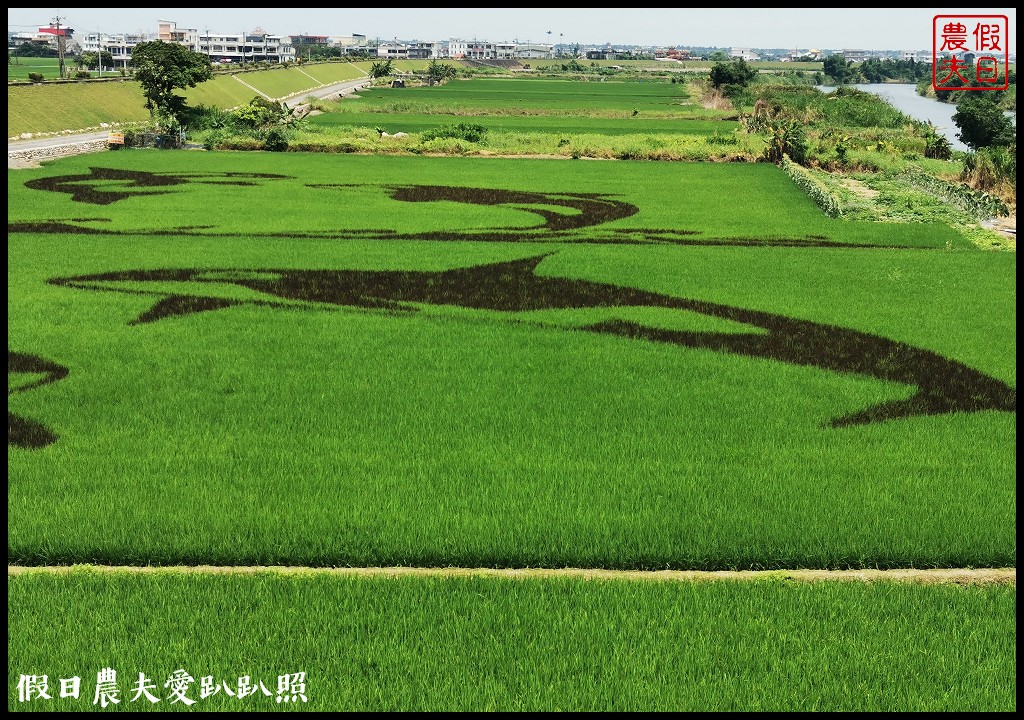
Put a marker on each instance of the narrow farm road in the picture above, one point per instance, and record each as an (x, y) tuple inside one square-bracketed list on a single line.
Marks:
[(933, 576)]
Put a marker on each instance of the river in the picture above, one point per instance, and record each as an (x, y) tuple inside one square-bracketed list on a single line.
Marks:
[(904, 98)]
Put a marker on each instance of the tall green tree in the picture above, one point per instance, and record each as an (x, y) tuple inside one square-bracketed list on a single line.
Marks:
[(736, 72), (88, 60), (161, 68), (439, 72), (982, 122), (840, 69)]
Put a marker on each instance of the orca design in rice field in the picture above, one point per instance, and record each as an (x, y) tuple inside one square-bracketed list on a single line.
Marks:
[(29, 372), (941, 385), (563, 217)]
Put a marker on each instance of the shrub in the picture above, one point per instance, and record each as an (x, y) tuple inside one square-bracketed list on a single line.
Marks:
[(275, 140), (260, 113), (461, 131), (786, 137), (134, 138), (240, 143), (718, 138), (213, 140), (991, 167), (736, 72), (35, 77), (978, 203), (936, 146), (203, 117)]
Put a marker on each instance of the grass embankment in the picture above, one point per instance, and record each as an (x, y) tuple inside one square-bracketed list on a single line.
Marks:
[(51, 108), (231, 90), (46, 108)]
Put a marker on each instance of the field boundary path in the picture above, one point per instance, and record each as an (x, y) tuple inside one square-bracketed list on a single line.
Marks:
[(933, 576)]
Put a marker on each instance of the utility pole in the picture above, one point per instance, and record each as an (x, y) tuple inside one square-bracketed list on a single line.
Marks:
[(60, 45)]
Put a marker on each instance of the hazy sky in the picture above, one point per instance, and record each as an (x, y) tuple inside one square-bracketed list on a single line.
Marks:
[(798, 28)]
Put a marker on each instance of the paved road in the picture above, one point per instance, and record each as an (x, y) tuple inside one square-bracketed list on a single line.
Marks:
[(326, 91), (55, 141), (329, 91)]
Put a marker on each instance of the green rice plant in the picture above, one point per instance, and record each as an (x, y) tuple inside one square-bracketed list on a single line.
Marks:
[(480, 644), (446, 434), (19, 68)]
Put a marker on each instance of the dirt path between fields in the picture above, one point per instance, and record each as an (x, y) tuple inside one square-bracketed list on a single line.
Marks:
[(946, 576)]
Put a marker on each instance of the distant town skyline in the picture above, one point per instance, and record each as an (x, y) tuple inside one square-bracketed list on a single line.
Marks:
[(869, 29)]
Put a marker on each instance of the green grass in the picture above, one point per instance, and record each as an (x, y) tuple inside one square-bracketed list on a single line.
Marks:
[(73, 106), (849, 108), (528, 124), (520, 645), (224, 91), (231, 90), (692, 64), (530, 96), (326, 435), (313, 433), (410, 66), (327, 73), (49, 68)]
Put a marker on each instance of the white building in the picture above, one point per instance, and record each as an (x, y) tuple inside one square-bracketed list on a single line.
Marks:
[(240, 48), (229, 48), (471, 50), (412, 51), (505, 51), (744, 53), (483, 50), (349, 43), (917, 55), (535, 51), (119, 46)]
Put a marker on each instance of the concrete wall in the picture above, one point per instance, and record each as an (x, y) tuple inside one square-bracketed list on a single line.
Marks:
[(32, 155)]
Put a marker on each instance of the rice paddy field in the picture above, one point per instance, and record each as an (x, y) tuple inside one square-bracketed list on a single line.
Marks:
[(19, 67), (695, 65), (320, 361), (401, 644), (535, 96), (411, 122), (530, 116)]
